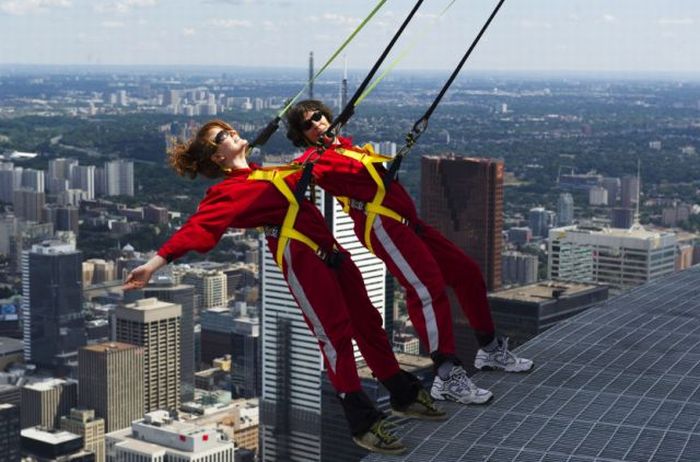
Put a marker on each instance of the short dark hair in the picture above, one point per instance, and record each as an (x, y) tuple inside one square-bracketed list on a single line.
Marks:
[(295, 118)]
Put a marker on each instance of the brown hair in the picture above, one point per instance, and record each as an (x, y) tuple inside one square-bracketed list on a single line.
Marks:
[(193, 156), (295, 118)]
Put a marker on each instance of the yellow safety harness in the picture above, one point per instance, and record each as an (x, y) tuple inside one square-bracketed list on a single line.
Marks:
[(286, 231), (368, 158)]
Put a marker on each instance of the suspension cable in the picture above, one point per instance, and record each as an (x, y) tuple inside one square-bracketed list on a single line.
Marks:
[(273, 125), (349, 108), (422, 124)]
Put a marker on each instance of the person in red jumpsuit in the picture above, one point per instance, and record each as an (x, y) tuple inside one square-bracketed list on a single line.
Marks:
[(422, 259), (326, 284)]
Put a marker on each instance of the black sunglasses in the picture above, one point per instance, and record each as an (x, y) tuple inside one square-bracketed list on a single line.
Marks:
[(221, 136), (308, 123)]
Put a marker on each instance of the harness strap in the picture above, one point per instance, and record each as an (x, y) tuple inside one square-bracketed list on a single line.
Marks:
[(287, 230), (373, 208)]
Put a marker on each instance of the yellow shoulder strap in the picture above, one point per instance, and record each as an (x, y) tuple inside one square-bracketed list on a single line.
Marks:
[(287, 230), (368, 158)]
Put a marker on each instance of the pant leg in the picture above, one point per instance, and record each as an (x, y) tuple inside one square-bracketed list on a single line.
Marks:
[(409, 260), (366, 320), (463, 275), (315, 287)]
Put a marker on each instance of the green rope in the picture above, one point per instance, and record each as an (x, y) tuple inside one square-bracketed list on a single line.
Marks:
[(334, 55), (401, 55)]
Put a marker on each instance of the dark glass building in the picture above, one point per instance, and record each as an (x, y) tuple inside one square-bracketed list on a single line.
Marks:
[(53, 318)]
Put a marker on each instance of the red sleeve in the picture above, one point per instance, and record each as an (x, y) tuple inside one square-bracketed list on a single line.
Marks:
[(204, 228)]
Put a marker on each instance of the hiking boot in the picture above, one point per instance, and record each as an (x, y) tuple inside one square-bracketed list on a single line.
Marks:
[(379, 438), (459, 388), (423, 408), (501, 358)]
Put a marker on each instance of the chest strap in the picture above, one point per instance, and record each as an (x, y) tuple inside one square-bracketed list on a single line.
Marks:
[(373, 208), (286, 231)]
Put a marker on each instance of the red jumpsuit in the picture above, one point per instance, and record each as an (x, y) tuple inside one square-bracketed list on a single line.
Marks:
[(421, 258), (334, 301)]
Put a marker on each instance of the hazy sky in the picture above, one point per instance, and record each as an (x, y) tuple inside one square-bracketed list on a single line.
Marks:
[(545, 35)]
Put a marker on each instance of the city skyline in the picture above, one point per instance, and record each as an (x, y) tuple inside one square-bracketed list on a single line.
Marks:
[(541, 35)]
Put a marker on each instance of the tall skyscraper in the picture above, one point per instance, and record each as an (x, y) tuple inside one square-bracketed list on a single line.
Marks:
[(52, 308), (565, 209), (83, 422), (111, 377), (155, 326), (43, 403), (61, 169), (9, 431), (28, 205), (291, 361), (119, 178), (463, 198), (183, 295), (613, 186)]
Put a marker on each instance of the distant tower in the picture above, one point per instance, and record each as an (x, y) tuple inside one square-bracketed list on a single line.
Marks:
[(639, 187), (43, 403), (83, 422), (565, 209), (311, 75), (155, 325), (344, 86)]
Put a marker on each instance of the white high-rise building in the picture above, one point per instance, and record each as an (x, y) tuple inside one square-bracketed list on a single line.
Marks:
[(565, 209), (119, 178), (291, 360), (621, 258), (10, 180)]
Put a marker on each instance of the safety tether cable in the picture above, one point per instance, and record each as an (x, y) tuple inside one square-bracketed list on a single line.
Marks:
[(273, 125), (421, 124), (349, 108)]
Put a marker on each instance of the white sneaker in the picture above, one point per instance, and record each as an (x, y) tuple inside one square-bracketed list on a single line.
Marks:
[(457, 387), (501, 358)]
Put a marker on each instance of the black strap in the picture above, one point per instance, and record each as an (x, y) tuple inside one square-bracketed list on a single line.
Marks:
[(349, 108), (422, 123)]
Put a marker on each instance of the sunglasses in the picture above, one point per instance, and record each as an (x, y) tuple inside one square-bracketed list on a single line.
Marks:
[(308, 123), (221, 136)]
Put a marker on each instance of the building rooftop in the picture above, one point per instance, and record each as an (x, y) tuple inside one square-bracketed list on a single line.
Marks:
[(10, 346), (541, 291), (48, 435), (618, 382), (110, 346)]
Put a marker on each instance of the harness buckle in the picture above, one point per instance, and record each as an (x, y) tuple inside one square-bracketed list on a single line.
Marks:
[(358, 205)]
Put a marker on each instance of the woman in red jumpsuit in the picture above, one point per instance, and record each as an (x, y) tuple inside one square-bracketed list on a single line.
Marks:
[(421, 258), (325, 282)]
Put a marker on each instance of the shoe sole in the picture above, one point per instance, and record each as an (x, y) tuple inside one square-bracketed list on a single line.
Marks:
[(394, 452), (418, 416), (443, 398), (489, 369)]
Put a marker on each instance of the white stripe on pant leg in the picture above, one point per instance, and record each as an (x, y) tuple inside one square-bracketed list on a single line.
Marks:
[(308, 310), (422, 291)]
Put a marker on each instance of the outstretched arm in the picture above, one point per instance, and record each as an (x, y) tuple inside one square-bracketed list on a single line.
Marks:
[(138, 277)]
